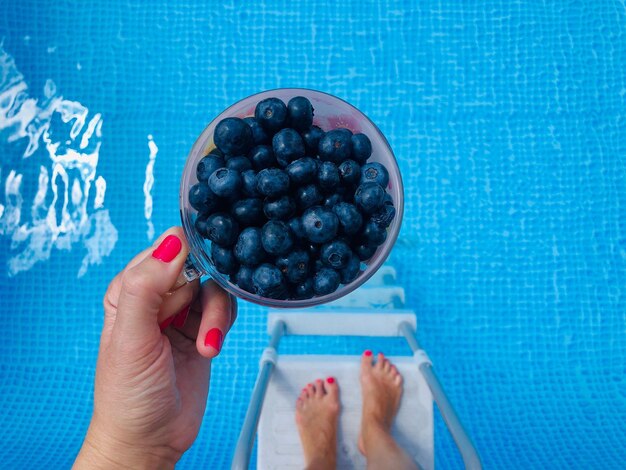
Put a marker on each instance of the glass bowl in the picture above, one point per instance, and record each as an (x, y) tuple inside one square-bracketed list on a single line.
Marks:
[(330, 112)]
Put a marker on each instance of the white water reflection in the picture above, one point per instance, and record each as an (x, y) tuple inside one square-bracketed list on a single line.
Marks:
[(147, 186), (63, 140)]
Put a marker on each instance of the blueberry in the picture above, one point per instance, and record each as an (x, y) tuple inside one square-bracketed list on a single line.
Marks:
[(208, 165), (350, 219), (364, 251), (300, 113), (295, 224), (268, 281), (369, 197), (375, 172), (271, 113), (222, 229), (335, 254), (201, 198), (361, 148), (294, 266), (279, 209), (346, 192), (332, 200), (200, 225), (336, 146), (217, 152), (308, 196), (288, 146), (223, 259), (272, 182), (233, 136), (383, 216), (351, 271), (311, 138), (239, 163), (243, 278), (248, 184), (320, 224), (225, 182), (374, 234), (262, 156), (303, 290), (302, 171), (317, 266), (249, 249), (259, 136), (326, 281), (276, 237), (328, 176), (313, 249), (248, 212), (350, 172)]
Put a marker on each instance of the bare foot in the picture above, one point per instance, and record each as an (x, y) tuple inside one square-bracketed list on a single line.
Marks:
[(381, 384), (317, 410)]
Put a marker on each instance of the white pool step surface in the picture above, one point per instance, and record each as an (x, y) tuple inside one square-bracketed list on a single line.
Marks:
[(279, 443)]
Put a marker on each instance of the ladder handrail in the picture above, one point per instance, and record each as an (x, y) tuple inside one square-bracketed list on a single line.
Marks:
[(470, 456), (243, 450)]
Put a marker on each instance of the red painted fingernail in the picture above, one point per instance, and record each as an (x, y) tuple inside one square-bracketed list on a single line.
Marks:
[(165, 323), (330, 380), (368, 353), (168, 249), (214, 338), (181, 317)]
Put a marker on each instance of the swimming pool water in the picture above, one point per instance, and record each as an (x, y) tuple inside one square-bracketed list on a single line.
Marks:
[(507, 118)]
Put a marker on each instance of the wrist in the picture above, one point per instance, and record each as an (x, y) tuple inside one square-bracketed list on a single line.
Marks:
[(101, 450)]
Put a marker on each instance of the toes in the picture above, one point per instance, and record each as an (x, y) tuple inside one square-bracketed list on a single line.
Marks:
[(366, 360), (310, 388), (380, 360), (395, 374), (332, 389), (386, 366), (319, 388)]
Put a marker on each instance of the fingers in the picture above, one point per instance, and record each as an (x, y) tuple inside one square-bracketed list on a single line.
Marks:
[(112, 294), (175, 302), (144, 285), (219, 310)]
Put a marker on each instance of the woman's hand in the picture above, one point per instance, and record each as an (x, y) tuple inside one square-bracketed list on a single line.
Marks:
[(152, 385)]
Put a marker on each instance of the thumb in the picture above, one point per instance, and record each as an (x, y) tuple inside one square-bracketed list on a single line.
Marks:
[(144, 285)]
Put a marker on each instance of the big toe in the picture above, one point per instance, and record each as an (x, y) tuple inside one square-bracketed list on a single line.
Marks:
[(332, 388), (366, 361)]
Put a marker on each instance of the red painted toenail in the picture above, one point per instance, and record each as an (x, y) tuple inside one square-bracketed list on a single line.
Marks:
[(368, 353), (330, 380)]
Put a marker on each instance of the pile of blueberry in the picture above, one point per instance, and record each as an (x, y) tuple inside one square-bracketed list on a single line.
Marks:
[(291, 211)]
